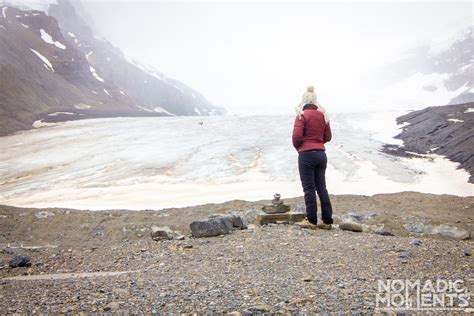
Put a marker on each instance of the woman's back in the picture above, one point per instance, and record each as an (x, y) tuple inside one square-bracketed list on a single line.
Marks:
[(310, 130)]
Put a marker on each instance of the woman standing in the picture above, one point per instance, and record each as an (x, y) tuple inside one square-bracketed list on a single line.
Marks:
[(310, 132)]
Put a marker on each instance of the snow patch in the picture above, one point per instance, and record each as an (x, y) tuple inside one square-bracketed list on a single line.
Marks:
[(94, 73), (197, 111), (4, 12), (25, 26), (143, 109), (455, 120), (49, 39), (121, 92), (71, 34), (107, 92), (82, 106), (45, 60), (159, 109), (88, 54), (63, 113), (469, 110)]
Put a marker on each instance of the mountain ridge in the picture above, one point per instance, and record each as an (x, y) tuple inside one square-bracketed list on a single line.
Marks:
[(53, 68)]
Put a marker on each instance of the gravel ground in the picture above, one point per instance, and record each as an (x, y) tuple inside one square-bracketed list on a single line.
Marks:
[(267, 269)]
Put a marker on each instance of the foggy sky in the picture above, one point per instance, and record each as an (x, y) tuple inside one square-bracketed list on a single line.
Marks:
[(259, 57)]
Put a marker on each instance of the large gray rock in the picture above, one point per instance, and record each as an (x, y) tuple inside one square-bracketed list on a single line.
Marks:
[(217, 225), (235, 220), (20, 261)]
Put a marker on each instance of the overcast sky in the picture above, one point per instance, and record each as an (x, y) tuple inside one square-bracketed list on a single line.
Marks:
[(260, 56)]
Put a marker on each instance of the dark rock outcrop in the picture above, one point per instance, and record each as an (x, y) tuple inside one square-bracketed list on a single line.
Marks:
[(443, 130)]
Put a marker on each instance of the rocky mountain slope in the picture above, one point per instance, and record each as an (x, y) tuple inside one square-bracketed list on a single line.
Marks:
[(53, 68), (444, 130)]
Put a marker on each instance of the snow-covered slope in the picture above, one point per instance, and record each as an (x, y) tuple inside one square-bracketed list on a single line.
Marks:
[(439, 73)]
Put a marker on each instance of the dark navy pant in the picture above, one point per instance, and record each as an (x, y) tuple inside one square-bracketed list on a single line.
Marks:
[(312, 167)]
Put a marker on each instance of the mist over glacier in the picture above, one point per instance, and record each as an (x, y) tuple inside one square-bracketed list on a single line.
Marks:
[(137, 163), (258, 57)]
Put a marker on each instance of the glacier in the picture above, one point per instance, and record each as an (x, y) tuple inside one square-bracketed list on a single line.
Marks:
[(160, 162)]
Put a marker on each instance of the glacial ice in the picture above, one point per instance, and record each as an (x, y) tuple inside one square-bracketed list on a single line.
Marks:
[(158, 162)]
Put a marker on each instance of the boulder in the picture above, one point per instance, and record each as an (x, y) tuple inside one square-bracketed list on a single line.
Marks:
[(214, 226), (20, 261), (235, 220), (350, 226), (161, 233)]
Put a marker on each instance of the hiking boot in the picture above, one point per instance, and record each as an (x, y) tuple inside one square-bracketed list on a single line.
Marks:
[(306, 224), (325, 226)]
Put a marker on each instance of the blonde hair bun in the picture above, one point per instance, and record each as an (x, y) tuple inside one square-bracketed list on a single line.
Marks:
[(310, 89)]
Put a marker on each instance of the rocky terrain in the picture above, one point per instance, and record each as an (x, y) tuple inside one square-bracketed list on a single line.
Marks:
[(106, 261), (54, 68), (443, 130)]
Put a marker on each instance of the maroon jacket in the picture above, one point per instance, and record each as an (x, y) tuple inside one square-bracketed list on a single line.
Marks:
[(310, 130)]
